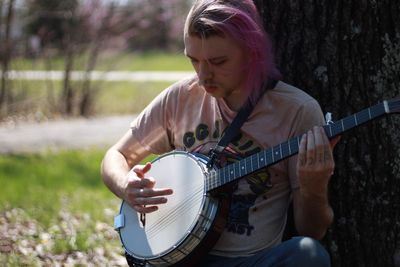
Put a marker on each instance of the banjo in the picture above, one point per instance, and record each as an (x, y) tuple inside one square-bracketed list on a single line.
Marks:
[(190, 223)]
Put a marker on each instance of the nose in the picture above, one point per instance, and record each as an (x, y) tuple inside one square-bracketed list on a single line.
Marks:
[(204, 71)]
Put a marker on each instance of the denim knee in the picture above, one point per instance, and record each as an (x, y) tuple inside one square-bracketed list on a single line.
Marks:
[(311, 253)]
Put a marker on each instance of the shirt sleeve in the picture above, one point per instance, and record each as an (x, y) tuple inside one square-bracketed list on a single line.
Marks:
[(308, 116), (152, 127)]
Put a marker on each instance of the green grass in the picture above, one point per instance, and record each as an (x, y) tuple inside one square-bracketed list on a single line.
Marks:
[(58, 202), (61, 194), (116, 97), (110, 97), (126, 97), (156, 61), (41, 183), (38, 183)]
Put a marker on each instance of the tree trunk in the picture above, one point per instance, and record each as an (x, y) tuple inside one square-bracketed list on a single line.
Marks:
[(347, 55), (51, 98), (67, 98), (88, 93), (5, 57)]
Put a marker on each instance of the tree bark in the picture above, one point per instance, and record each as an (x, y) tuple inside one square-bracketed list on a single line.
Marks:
[(5, 57), (346, 54), (67, 98)]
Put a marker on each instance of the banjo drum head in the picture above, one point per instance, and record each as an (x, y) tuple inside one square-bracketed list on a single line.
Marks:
[(167, 227)]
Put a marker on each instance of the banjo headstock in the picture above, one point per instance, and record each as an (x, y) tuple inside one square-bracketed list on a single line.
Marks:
[(393, 105)]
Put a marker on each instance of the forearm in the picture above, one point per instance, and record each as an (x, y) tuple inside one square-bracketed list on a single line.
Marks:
[(315, 166), (114, 169), (118, 161), (313, 214)]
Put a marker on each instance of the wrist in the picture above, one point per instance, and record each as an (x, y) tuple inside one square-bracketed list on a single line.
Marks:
[(320, 194)]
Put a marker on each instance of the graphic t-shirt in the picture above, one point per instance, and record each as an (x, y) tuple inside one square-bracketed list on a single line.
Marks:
[(185, 117)]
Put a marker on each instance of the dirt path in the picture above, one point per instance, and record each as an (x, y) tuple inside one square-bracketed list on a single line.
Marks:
[(62, 134)]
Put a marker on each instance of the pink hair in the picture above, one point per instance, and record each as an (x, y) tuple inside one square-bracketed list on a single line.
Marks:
[(241, 21)]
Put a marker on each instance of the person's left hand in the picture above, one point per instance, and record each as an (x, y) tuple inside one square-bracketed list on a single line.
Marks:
[(315, 163)]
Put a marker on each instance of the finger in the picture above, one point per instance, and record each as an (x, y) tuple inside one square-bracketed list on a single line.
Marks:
[(327, 147), (147, 167), (147, 182), (137, 182), (151, 192), (324, 137), (136, 193), (143, 209), (302, 150), (150, 201), (319, 143), (319, 137), (310, 148), (140, 170), (134, 183)]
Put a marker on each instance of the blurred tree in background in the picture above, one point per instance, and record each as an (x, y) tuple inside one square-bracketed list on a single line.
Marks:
[(158, 25), (6, 18), (76, 29), (51, 21)]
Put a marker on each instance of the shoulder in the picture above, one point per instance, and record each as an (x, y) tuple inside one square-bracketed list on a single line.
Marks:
[(184, 86), (290, 98), (292, 105), (177, 92), (290, 94), (185, 94)]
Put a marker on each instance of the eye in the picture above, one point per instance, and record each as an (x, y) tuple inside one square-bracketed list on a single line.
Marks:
[(218, 62)]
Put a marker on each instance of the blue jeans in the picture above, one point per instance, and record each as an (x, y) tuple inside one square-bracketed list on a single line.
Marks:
[(296, 252)]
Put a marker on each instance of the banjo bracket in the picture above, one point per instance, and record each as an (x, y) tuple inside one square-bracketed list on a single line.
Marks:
[(213, 156), (133, 262)]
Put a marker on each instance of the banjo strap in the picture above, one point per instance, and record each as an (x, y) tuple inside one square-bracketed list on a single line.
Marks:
[(232, 130)]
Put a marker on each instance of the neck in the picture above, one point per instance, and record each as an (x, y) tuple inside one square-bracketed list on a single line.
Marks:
[(235, 100)]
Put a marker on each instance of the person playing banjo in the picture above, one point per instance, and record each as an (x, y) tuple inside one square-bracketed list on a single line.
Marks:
[(169, 198)]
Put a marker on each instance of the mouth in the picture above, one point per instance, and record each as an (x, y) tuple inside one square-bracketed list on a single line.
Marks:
[(210, 88)]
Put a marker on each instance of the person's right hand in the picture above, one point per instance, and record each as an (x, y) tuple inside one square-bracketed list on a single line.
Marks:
[(140, 192)]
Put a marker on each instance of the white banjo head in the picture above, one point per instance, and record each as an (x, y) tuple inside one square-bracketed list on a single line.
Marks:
[(173, 221)]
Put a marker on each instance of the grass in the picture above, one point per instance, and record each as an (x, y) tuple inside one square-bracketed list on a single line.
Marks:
[(38, 183), (155, 61), (54, 207), (111, 97), (126, 97), (56, 204), (59, 196)]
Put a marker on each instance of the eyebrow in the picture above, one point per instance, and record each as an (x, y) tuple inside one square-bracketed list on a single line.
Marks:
[(209, 59)]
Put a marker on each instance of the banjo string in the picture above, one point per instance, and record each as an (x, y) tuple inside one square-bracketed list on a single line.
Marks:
[(170, 217)]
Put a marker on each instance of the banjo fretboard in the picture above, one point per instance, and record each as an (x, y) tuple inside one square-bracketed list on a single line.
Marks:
[(248, 165)]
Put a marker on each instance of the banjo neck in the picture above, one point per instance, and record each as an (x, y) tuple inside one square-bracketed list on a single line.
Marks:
[(201, 216), (265, 158)]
